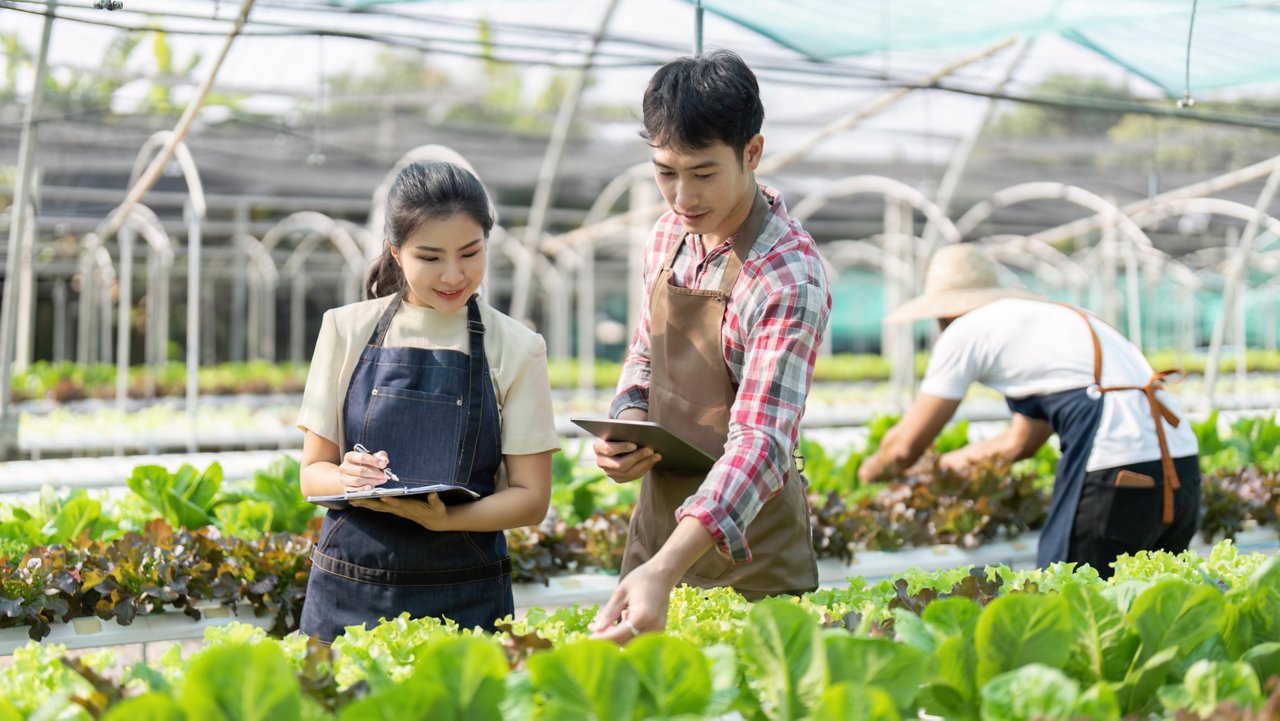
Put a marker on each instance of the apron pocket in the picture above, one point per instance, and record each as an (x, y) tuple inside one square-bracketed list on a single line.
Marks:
[(420, 431), (1128, 516), (333, 522), (712, 566)]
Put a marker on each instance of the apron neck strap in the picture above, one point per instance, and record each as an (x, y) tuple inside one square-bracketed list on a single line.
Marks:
[(747, 234), (380, 333), (476, 377), (475, 326)]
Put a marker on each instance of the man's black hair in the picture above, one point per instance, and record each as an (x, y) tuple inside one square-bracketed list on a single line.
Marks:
[(693, 102)]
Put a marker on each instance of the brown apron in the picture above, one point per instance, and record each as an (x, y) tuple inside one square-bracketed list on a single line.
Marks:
[(691, 393), (1158, 411)]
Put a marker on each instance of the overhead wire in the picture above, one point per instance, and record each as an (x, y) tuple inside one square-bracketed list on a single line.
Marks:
[(799, 72), (1187, 101)]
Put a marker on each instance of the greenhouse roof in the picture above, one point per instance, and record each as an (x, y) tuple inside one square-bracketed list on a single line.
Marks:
[(1233, 42)]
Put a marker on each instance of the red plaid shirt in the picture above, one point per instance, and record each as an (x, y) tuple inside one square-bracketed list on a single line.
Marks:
[(773, 323)]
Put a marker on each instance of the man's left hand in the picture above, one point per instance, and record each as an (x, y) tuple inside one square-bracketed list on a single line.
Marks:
[(638, 605), (429, 512)]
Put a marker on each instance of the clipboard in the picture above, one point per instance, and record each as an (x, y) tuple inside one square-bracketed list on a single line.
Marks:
[(451, 495), (677, 453)]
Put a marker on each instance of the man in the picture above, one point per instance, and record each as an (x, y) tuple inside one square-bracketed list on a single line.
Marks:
[(1129, 477), (734, 309)]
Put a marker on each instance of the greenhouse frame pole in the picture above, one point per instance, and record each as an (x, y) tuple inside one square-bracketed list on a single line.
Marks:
[(179, 133), (697, 29), (1237, 283), (124, 328), (964, 150), (542, 192), (1077, 228), (195, 219), (9, 304)]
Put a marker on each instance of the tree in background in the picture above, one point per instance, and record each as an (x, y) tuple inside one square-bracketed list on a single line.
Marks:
[(94, 88), (396, 81), (1041, 121), (1172, 144), (1128, 140)]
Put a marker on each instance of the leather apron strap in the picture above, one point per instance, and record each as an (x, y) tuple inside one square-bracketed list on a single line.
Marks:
[(1159, 411)]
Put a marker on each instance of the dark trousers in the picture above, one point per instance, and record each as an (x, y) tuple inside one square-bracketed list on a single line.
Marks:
[(1111, 521)]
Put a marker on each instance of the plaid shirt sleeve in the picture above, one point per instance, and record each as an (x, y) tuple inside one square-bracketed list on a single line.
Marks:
[(633, 384), (781, 347)]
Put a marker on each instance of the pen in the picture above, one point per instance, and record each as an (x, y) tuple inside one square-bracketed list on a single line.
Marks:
[(390, 475)]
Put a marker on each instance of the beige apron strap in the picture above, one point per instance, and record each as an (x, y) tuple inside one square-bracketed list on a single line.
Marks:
[(667, 264), (747, 235), (1158, 411)]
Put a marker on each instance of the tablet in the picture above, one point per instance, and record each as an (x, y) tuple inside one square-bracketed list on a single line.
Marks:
[(449, 494), (677, 454)]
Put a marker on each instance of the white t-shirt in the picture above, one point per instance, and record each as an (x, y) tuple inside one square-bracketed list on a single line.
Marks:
[(517, 366), (1025, 348)]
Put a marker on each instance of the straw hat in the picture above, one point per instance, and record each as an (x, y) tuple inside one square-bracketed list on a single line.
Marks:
[(960, 278)]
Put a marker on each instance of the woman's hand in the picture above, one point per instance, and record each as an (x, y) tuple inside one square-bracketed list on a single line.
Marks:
[(429, 512), (362, 471)]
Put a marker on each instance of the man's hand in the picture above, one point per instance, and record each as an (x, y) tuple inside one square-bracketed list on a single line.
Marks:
[(430, 513), (625, 462), (871, 469), (957, 461), (638, 605), (903, 444)]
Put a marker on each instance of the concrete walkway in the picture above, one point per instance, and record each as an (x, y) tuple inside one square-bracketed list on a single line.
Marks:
[(112, 471)]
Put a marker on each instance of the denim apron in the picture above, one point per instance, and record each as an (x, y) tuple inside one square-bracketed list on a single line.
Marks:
[(436, 415), (1074, 415)]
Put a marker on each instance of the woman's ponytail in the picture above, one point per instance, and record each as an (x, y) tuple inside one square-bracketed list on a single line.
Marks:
[(385, 277)]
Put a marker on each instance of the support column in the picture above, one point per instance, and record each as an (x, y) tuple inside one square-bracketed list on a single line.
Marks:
[(236, 347), (587, 317), (641, 196), (124, 304), (21, 191), (193, 320), (297, 317), (59, 319), (26, 320), (543, 192)]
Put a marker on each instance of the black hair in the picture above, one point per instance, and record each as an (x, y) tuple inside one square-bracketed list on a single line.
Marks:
[(422, 192), (693, 102)]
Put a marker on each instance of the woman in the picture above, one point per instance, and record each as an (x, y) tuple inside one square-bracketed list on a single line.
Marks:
[(441, 388)]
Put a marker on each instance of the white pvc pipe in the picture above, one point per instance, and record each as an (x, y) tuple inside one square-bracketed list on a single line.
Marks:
[(8, 303), (878, 185)]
